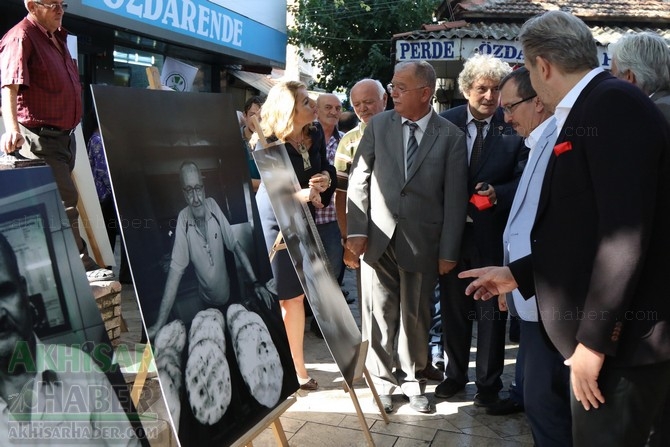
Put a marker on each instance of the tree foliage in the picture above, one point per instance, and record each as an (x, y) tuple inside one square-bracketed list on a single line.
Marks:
[(353, 37)]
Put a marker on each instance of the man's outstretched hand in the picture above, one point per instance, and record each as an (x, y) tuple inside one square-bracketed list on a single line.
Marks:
[(489, 282)]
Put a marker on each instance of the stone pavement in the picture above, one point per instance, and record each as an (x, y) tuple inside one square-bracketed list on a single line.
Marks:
[(327, 417)]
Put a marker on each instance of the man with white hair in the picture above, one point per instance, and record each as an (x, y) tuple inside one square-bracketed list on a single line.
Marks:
[(41, 104), (496, 160), (368, 97), (643, 59)]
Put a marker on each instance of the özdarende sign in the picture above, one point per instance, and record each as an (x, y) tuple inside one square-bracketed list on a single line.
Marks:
[(202, 20), (461, 49)]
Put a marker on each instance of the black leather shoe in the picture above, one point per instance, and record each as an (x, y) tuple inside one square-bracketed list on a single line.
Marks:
[(504, 407), (419, 403), (486, 399), (387, 402), (431, 373), (448, 388)]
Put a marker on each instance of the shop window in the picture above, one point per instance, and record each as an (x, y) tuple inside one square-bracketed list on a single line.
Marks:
[(130, 69)]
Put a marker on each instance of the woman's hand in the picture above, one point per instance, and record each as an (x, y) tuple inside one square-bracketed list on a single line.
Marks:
[(315, 198), (308, 195), (320, 181)]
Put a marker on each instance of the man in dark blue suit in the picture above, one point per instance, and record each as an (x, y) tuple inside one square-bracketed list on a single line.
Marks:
[(599, 242), (497, 157)]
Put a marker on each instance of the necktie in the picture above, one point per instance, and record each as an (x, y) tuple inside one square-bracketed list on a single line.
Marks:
[(412, 144), (477, 146)]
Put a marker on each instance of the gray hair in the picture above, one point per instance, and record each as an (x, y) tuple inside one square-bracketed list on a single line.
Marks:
[(422, 69), (521, 77), (647, 56), (560, 38), (481, 66), (380, 88)]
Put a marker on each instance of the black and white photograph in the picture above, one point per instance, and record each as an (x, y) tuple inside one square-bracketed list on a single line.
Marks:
[(61, 383), (309, 259), (195, 247)]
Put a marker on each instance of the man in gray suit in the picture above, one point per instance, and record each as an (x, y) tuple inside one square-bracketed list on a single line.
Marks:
[(406, 211)]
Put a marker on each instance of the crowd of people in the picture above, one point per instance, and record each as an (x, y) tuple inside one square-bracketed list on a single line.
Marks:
[(542, 197)]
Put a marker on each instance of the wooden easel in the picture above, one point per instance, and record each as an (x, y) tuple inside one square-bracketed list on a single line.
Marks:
[(360, 369)]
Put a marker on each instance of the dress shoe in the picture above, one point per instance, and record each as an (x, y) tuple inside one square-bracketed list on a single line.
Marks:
[(387, 402), (419, 403), (448, 388), (503, 407), (431, 373), (486, 399)]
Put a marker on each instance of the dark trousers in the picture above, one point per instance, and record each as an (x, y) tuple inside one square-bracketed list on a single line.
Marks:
[(546, 388), (634, 399), (59, 153), (459, 312), (516, 388)]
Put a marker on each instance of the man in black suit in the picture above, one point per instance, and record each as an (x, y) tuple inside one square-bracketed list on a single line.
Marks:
[(496, 157), (600, 241)]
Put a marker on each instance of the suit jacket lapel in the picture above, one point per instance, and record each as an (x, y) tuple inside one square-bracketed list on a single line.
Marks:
[(395, 143), (570, 122), (494, 132), (427, 141)]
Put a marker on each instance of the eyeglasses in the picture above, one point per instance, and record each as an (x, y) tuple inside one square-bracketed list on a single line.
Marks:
[(390, 88), (52, 6), (190, 191), (510, 108)]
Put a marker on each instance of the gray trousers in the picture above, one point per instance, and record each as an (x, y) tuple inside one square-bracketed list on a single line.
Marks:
[(396, 314)]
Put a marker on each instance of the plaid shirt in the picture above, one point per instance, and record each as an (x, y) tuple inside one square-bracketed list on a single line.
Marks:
[(328, 214), (50, 91)]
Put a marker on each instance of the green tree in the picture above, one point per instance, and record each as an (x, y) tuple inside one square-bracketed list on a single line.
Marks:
[(353, 37)]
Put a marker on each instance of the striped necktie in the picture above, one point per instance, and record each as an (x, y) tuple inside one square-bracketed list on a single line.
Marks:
[(412, 144)]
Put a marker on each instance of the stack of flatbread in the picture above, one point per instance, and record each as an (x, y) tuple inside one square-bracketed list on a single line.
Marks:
[(207, 371), (257, 356), (168, 347)]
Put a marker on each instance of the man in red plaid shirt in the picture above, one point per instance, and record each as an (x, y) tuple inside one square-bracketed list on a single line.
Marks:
[(41, 104)]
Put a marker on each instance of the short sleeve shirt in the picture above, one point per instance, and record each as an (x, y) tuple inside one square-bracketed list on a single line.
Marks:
[(347, 148), (205, 251)]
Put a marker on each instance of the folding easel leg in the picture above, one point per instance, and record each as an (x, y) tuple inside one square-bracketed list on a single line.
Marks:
[(361, 416), (280, 436)]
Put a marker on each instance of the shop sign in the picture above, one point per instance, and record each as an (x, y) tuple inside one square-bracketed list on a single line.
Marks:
[(203, 20), (461, 49)]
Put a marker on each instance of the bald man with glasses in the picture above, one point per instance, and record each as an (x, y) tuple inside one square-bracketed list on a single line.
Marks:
[(41, 104)]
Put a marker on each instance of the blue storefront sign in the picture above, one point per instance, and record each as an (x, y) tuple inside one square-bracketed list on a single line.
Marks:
[(204, 20)]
